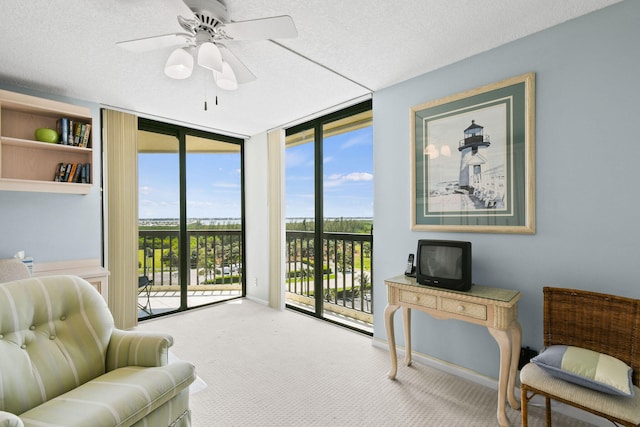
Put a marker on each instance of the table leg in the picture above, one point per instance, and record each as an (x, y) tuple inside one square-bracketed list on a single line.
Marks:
[(391, 339), (406, 317), (515, 334), (503, 338)]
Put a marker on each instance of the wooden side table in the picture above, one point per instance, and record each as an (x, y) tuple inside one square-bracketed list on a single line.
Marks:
[(88, 269), (495, 308)]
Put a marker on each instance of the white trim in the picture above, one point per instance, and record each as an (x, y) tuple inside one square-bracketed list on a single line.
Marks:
[(326, 111), (257, 300), (176, 122)]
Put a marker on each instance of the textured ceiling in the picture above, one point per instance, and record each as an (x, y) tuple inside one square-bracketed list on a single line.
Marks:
[(344, 51)]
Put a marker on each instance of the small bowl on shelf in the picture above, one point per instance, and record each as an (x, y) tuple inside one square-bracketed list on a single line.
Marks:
[(46, 135)]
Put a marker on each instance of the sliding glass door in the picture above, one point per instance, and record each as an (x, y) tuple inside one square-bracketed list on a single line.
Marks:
[(214, 220), (191, 238)]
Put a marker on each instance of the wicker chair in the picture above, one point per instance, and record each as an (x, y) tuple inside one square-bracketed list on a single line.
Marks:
[(603, 323)]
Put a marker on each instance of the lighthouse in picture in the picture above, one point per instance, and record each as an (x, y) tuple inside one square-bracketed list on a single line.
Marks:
[(471, 160)]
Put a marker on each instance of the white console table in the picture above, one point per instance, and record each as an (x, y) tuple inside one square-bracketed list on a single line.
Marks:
[(495, 308), (89, 269)]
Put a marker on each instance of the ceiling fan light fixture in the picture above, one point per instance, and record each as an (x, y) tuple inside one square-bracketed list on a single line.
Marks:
[(209, 56), (226, 79), (179, 64)]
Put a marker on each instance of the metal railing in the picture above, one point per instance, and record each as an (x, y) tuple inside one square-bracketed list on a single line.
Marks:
[(216, 260), (346, 275), (215, 257)]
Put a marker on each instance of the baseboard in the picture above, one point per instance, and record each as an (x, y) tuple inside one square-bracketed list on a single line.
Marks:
[(441, 365), (492, 383), (258, 300)]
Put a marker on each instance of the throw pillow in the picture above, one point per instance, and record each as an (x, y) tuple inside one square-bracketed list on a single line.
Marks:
[(587, 368)]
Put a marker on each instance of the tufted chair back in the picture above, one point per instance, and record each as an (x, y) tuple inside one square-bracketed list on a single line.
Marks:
[(54, 333)]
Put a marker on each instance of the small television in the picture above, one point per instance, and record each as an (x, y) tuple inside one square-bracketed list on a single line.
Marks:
[(444, 264)]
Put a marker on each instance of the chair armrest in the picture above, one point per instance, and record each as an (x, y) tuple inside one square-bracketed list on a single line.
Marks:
[(137, 348), (7, 419)]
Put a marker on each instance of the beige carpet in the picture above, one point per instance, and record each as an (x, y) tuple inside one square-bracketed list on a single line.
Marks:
[(262, 367)]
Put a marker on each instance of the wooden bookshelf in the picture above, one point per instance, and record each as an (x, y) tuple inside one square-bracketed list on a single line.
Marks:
[(30, 165)]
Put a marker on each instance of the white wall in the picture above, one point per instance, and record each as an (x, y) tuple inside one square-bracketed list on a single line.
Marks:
[(54, 227), (256, 217), (587, 151)]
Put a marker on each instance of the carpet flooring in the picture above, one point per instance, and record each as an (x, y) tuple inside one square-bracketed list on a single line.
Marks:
[(262, 367)]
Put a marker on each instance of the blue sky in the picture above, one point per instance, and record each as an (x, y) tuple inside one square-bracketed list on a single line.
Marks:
[(213, 181), (213, 186), (347, 176)]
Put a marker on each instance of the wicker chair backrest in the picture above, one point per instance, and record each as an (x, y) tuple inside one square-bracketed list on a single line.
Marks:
[(604, 323)]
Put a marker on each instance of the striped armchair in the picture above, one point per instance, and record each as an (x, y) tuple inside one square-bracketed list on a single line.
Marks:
[(63, 363)]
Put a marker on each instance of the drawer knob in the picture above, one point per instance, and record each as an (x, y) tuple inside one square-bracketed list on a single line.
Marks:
[(460, 308)]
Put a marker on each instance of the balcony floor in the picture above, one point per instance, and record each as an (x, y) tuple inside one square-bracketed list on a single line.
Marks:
[(162, 301)]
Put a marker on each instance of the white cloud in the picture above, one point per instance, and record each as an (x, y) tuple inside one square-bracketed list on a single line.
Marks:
[(145, 189), (225, 185), (358, 139), (339, 179)]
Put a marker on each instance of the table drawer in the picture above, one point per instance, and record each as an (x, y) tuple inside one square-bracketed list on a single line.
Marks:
[(428, 301), (468, 309)]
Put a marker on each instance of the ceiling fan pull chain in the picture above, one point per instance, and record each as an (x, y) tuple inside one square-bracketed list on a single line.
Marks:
[(204, 89)]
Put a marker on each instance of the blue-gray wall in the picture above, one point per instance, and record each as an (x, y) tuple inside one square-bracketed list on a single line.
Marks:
[(54, 227), (587, 154)]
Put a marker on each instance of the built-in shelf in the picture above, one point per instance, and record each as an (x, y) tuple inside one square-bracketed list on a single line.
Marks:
[(30, 165)]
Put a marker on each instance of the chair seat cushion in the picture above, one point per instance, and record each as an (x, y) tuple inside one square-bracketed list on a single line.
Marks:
[(625, 408), (587, 368), (118, 398)]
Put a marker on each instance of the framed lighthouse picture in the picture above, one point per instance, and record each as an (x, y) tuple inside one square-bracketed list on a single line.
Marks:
[(473, 165)]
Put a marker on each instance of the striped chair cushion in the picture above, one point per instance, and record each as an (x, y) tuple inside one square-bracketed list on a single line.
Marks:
[(118, 398), (626, 408)]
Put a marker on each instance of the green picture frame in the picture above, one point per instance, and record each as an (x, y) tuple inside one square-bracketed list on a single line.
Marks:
[(473, 160)]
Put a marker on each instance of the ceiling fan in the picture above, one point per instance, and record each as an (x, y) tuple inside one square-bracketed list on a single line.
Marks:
[(205, 34)]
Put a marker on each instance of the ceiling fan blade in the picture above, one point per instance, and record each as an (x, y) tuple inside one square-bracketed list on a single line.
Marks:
[(277, 27), (243, 74), (156, 42)]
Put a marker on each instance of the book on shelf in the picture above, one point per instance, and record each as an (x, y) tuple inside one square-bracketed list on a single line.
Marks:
[(63, 130), (76, 134), (73, 133), (59, 171), (85, 135), (73, 172), (85, 177), (78, 174), (70, 135), (67, 170)]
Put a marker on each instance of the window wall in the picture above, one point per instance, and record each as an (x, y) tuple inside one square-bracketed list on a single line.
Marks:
[(191, 210), (329, 217)]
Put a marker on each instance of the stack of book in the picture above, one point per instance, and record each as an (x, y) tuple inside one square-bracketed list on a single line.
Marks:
[(73, 132), (73, 172)]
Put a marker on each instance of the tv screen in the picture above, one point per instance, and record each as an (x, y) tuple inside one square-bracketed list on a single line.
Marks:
[(444, 264)]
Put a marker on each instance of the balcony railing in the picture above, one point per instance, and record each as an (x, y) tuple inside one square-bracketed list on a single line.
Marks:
[(346, 272), (215, 257), (216, 263)]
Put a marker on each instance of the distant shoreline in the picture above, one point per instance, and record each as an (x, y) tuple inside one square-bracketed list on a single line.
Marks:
[(237, 220)]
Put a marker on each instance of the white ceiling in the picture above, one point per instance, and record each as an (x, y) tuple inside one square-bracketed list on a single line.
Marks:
[(345, 50)]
